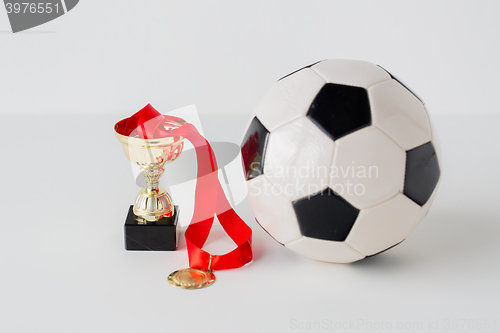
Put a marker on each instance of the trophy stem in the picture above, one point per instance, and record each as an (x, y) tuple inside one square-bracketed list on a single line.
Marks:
[(153, 187), (152, 177), (153, 203)]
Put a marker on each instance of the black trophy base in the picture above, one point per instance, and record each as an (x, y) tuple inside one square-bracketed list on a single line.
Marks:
[(152, 236)]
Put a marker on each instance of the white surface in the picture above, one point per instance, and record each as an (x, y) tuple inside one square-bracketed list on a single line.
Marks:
[(111, 56), (66, 186)]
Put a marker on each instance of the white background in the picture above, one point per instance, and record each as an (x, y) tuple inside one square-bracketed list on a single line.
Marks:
[(111, 56), (66, 185)]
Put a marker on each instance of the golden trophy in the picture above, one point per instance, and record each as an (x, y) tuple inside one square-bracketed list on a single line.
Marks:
[(151, 223)]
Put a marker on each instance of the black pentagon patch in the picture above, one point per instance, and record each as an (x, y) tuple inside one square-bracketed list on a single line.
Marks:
[(422, 173), (339, 110), (300, 69), (253, 149), (404, 85), (325, 215)]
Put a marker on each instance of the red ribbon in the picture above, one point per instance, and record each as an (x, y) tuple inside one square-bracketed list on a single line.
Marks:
[(210, 199)]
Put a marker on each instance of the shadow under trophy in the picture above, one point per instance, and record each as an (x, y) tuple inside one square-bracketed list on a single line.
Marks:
[(151, 222)]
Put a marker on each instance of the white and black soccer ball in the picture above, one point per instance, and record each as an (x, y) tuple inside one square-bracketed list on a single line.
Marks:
[(341, 161)]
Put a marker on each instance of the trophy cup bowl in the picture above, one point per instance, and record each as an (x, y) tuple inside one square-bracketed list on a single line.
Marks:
[(153, 203)]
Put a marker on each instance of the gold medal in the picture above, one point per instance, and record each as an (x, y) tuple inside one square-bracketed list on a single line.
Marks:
[(192, 278)]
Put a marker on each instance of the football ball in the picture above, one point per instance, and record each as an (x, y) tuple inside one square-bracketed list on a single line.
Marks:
[(341, 161)]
